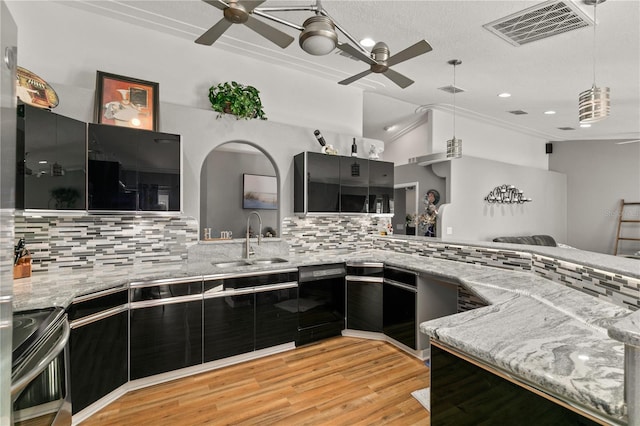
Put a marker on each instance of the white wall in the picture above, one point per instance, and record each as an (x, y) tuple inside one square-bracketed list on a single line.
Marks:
[(472, 218), (66, 46), (202, 131), (599, 174)]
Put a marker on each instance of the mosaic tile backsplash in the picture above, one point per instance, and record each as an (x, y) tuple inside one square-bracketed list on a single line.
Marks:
[(314, 233), (84, 242)]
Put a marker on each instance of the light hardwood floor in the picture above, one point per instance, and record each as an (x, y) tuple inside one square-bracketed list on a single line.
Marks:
[(339, 381)]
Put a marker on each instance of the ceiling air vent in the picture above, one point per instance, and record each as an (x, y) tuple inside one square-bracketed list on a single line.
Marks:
[(566, 128), (538, 22), (451, 89), (518, 112)]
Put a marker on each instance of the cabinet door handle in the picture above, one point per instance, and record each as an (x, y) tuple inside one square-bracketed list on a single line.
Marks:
[(167, 301), (401, 285), (98, 316)]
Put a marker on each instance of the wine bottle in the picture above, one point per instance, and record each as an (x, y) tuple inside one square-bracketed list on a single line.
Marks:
[(319, 137), (354, 148)]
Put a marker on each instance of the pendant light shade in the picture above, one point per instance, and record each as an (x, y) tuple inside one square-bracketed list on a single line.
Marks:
[(594, 103)]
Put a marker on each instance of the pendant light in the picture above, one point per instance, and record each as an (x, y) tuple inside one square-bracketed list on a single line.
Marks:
[(593, 104), (454, 146)]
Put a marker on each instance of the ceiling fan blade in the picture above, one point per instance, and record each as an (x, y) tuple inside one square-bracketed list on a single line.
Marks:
[(398, 78), (214, 33), (417, 49), (249, 5), (355, 77), (217, 3), (270, 33), (347, 48)]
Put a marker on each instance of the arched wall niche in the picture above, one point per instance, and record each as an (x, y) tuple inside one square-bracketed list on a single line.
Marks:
[(221, 189)]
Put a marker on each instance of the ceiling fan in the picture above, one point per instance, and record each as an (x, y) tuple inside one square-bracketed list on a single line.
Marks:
[(239, 12), (380, 61)]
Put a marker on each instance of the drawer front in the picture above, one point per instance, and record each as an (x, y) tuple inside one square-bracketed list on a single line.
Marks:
[(401, 276), (251, 280), (165, 291), (98, 302)]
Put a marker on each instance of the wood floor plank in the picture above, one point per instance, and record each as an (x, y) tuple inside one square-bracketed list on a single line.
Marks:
[(339, 381)]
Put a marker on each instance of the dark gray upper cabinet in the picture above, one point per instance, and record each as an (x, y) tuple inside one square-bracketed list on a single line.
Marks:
[(316, 183), (380, 186), (339, 184), (131, 169), (354, 185), (51, 160)]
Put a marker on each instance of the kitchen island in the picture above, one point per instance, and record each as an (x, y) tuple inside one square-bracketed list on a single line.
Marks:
[(553, 337)]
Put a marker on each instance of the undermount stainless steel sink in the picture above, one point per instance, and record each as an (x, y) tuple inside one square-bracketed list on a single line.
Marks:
[(248, 262), (230, 263), (269, 261)]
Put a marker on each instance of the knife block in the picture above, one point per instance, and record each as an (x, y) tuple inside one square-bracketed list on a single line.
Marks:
[(23, 268)]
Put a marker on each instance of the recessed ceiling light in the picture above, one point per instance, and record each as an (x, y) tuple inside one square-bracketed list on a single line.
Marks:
[(389, 128), (584, 125), (504, 95), (549, 112), (42, 162), (367, 42)]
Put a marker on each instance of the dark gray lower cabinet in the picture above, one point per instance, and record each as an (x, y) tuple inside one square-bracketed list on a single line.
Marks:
[(364, 305), (98, 359), (165, 326), (228, 325), (165, 337), (276, 317), (248, 320), (97, 346), (463, 393), (400, 305)]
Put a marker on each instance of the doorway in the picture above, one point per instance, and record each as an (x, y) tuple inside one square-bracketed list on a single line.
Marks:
[(406, 200)]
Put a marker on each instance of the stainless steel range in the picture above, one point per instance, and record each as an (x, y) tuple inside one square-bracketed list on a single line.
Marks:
[(39, 368)]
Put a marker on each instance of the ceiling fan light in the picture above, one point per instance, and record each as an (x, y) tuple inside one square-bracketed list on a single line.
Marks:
[(319, 36), (594, 104)]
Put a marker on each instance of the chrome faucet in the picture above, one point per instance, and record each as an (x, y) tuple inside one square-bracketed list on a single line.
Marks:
[(248, 250)]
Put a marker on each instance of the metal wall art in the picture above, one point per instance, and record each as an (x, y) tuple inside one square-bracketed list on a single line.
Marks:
[(506, 194)]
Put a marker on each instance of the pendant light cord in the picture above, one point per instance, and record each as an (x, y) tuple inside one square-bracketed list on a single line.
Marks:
[(595, 23), (454, 101)]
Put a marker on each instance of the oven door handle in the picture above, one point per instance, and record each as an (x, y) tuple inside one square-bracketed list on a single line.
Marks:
[(29, 376)]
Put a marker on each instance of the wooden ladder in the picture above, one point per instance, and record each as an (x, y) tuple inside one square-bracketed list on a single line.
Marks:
[(621, 221)]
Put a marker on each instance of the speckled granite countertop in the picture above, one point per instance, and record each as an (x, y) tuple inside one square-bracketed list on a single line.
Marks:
[(542, 332), (616, 264)]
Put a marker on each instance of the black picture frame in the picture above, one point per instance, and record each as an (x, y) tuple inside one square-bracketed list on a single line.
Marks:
[(259, 192), (126, 101)]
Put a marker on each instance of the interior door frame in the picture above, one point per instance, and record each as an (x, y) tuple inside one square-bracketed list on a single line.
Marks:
[(409, 185)]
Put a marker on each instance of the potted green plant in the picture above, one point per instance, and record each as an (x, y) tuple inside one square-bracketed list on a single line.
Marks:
[(237, 99)]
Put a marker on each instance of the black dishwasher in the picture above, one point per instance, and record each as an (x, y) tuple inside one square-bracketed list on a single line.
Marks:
[(321, 302), (400, 305)]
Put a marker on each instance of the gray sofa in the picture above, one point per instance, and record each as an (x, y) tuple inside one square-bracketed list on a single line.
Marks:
[(534, 240)]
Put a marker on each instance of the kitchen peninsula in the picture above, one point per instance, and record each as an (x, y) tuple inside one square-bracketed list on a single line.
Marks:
[(527, 321)]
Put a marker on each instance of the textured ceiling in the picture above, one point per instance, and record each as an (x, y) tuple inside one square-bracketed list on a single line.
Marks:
[(543, 75)]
